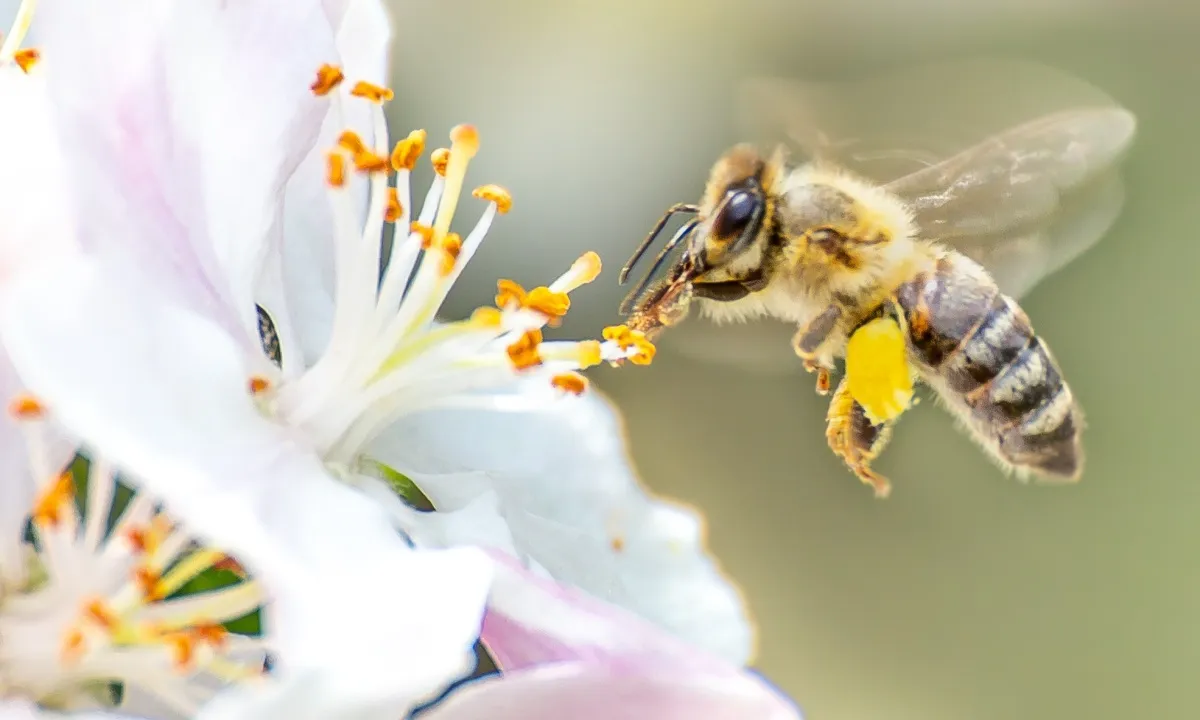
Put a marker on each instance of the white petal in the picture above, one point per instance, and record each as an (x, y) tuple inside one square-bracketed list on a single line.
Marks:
[(363, 37), (588, 692), (574, 505), (16, 482), (162, 394), (183, 121)]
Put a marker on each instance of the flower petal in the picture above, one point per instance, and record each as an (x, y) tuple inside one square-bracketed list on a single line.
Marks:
[(162, 394), (575, 506), (183, 121), (585, 692)]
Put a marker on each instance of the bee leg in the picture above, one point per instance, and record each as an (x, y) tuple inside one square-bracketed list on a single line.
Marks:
[(853, 438), (808, 340)]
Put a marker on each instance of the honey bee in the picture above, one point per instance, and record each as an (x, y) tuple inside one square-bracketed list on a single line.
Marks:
[(836, 253)]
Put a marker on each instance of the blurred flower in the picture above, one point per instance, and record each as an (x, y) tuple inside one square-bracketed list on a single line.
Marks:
[(236, 258), (356, 620)]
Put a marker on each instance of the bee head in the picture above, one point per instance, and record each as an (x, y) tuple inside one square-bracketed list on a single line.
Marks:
[(737, 211)]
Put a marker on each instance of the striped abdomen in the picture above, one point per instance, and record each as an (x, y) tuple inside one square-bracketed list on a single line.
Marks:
[(976, 347)]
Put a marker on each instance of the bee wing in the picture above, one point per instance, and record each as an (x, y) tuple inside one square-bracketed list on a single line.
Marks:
[(1038, 191)]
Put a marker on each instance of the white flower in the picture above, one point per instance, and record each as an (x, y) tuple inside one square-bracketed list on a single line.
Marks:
[(356, 620), (187, 126)]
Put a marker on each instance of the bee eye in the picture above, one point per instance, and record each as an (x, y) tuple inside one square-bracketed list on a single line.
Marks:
[(739, 210)]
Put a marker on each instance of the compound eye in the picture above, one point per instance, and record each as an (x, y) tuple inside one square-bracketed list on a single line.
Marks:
[(739, 210)]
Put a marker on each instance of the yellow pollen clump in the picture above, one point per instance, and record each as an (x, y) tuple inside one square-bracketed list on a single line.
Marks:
[(394, 209), (524, 352), (369, 162), (26, 407), (372, 92), (509, 293), (487, 317), (451, 247), (406, 152), (553, 305), (495, 194), (147, 580), (259, 385), (628, 339), (351, 141), (50, 507), (26, 58), (877, 371), (572, 383), (335, 169), (425, 232), (328, 77), (440, 159), (147, 539), (97, 613)]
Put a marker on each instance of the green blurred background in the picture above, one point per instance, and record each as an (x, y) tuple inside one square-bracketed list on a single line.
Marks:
[(965, 595)]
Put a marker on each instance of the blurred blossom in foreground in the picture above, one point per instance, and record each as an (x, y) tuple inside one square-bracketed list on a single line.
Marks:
[(231, 170)]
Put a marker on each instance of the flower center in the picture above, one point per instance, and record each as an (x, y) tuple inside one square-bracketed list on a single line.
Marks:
[(387, 355), (99, 592)]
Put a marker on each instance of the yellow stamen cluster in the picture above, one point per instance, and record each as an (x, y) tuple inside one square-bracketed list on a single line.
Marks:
[(628, 339), (553, 305), (524, 353), (572, 383)]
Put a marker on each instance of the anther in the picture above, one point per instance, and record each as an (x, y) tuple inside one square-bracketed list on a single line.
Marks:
[(494, 194), (628, 339), (26, 407), (451, 247), (336, 170), (590, 354), (372, 92), (26, 58), (509, 293), (487, 317), (425, 232), (48, 510), (524, 352), (406, 152), (553, 305), (369, 162), (393, 210), (259, 385), (351, 141), (96, 612), (328, 77), (147, 581), (572, 383), (440, 159)]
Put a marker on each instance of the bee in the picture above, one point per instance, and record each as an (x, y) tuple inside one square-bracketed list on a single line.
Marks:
[(840, 255)]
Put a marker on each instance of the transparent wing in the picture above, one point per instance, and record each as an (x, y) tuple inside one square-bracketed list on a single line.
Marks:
[(1037, 191)]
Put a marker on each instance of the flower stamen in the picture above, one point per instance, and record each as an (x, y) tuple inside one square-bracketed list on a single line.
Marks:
[(440, 159), (408, 151), (524, 352), (328, 78), (16, 35), (638, 349), (372, 92), (571, 383)]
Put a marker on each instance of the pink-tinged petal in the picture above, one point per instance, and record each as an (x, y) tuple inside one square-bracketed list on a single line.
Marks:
[(580, 691), (162, 394), (183, 121), (363, 39), (575, 506)]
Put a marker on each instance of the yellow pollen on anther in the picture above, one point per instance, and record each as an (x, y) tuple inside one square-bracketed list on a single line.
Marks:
[(99, 614), (328, 77), (524, 352), (26, 407), (440, 159), (147, 580), (426, 233), (406, 152), (26, 58), (351, 141), (451, 247), (628, 339), (572, 383), (509, 293), (372, 92), (393, 210), (369, 162), (50, 507), (335, 169), (495, 194), (487, 317), (259, 385), (553, 305), (147, 539)]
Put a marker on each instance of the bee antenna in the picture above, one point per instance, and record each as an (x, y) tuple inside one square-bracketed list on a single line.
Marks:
[(680, 235), (662, 222)]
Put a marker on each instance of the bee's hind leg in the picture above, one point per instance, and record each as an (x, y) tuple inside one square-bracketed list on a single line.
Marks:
[(853, 438), (807, 344)]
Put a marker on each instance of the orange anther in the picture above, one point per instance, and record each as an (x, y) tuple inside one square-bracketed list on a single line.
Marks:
[(335, 166), (487, 317), (440, 159), (628, 339), (524, 352), (369, 162), (328, 77), (496, 194), (572, 383), (509, 293), (26, 407), (26, 58), (451, 247), (394, 209), (98, 613), (51, 506), (372, 92), (259, 385), (425, 232), (183, 650), (552, 304), (147, 580), (406, 152), (351, 141)]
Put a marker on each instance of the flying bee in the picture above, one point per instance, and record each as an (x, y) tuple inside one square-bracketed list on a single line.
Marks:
[(845, 257)]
